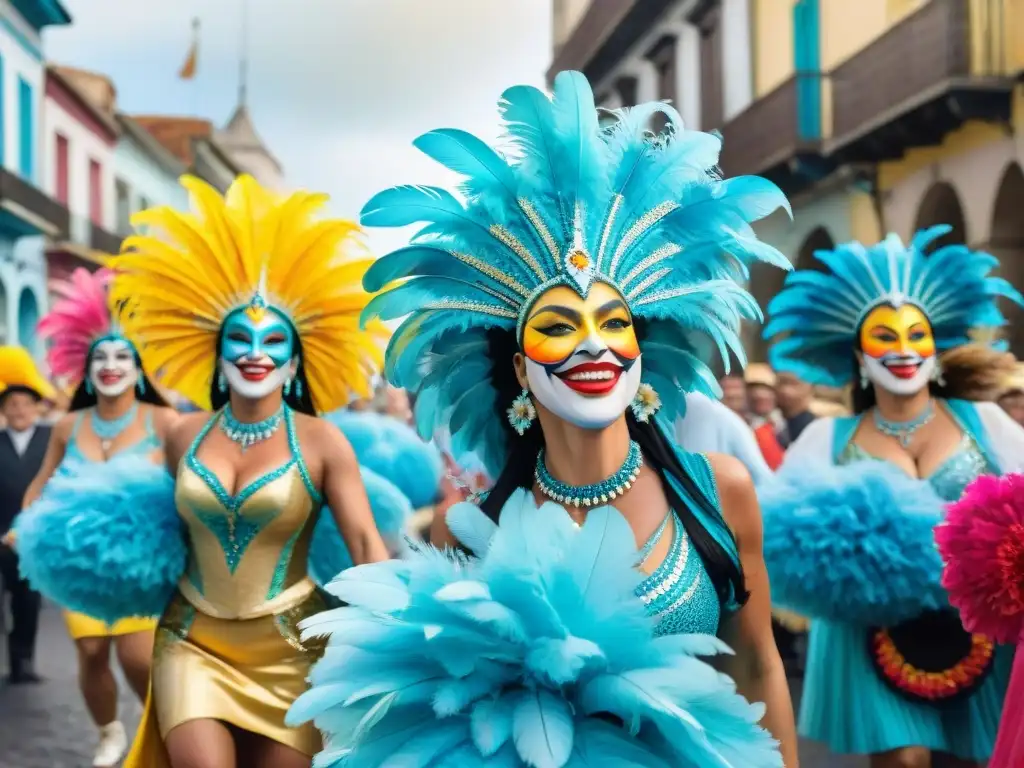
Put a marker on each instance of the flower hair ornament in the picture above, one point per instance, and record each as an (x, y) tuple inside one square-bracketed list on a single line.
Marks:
[(80, 317), (814, 321), (566, 203), (254, 251)]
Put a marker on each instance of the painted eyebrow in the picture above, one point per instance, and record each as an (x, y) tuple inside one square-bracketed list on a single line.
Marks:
[(567, 312), (885, 328), (611, 306)]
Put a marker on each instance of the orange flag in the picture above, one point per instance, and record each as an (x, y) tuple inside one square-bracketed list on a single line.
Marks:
[(188, 69)]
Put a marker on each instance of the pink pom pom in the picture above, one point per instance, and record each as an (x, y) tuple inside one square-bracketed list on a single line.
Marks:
[(78, 317), (982, 544)]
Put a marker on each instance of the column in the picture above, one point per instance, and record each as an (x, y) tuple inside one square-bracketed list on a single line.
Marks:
[(736, 48), (687, 97)]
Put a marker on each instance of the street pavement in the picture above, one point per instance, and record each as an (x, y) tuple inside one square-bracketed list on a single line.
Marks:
[(46, 726)]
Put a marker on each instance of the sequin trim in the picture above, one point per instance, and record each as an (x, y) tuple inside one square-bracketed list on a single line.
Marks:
[(659, 255), (606, 233), (175, 624), (542, 228), (515, 245), (281, 569), (495, 274), (647, 282), (639, 228), (287, 624), (472, 306)]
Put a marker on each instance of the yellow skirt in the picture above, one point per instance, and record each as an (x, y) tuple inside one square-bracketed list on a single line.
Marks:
[(81, 626), (243, 673)]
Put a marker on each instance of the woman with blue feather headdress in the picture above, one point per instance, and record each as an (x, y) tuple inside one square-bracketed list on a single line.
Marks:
[(890, 671), (553, 316)]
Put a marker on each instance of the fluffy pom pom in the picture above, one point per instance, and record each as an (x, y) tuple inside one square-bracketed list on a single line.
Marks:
[(395, 452), (105, 539), (328, 555), (852, 543), (536, 654), (982, 544)]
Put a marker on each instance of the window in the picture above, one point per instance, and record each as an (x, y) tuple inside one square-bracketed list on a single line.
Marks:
[(60, 153), (27, 126), (124, 207), (95, 193)]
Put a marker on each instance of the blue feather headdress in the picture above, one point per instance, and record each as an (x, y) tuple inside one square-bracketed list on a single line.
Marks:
[(815, 319), (572, 204)]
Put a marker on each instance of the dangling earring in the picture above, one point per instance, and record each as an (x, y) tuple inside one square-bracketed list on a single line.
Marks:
[(140, 385), (522, 413), (287, 387), (937, 376), (865, 382), (645, 404), (222, 382), (88, 386), (298, 389)]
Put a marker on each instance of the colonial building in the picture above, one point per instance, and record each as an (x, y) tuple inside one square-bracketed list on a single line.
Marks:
[(241, 142), (27, 213), (79, 136), (146, 174), (873, 116), (192, 141)]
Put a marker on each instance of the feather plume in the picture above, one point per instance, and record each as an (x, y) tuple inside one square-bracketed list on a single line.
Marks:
[(79, 316), (537, 654)]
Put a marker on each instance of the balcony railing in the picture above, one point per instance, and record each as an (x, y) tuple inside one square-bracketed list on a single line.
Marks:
[(775, 128), (946, 48), (84, 237), (28, 208)]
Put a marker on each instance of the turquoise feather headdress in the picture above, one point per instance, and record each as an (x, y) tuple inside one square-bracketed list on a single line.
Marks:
[(571, 204), (815, 319)]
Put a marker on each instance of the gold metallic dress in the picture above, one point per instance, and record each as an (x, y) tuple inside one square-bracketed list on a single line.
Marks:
[(227, 647)]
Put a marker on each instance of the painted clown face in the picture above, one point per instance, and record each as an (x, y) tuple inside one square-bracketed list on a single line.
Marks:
[(113, 369), (257, 352), (899, 348), (582, 355)]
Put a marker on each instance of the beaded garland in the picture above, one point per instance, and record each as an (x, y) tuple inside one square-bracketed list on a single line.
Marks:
[(247, 435), (929, 685), (595, 494)]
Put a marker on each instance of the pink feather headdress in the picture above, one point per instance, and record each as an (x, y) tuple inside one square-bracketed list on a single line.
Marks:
[(80, 316)]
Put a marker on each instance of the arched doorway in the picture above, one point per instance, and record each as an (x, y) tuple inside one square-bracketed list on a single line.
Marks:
[(1007, 244), (818, 240), (941, 205), (28, 318)]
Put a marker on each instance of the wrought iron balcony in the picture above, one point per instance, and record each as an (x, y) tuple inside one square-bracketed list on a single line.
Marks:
[(27, 210), (941, 66)]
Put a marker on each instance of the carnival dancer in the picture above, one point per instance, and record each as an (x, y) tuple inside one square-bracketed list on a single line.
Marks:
[(115, 410), (890, 672), (547, 318), (248, 306)]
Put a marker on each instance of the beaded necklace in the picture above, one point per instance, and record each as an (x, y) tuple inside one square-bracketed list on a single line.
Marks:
[(597, 493)]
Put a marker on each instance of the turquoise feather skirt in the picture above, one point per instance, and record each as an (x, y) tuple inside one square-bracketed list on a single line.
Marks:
[(847, 706)]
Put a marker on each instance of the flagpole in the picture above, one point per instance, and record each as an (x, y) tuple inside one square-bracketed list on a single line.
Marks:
[(195, 48)]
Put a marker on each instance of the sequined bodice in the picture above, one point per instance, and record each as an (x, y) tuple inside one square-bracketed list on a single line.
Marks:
[(680, 594), (952, 476), (248, 551)]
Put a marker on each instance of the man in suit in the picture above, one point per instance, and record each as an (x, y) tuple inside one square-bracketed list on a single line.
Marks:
[(22, 447)]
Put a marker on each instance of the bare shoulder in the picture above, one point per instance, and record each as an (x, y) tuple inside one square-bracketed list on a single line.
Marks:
[(164, 419), (736, 493), (65, 426), (323, 438), (183, 430)]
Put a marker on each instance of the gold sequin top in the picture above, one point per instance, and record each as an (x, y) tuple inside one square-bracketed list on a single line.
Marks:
[(248, 551)]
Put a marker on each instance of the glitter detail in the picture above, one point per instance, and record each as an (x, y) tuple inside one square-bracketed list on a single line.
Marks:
[(472, 306), (579, 260), (494, 273), (671, 293), (281, 569), (640, 228), (287, 624), (515, 245), (174, 625), (540, 226), (647, 282), (245, 434), (666, 251), (607, 231)]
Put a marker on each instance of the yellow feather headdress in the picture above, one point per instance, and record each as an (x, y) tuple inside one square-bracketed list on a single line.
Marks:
[(186, 272)]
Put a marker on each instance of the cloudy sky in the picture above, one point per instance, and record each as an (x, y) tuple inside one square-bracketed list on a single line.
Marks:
[(337, 88)]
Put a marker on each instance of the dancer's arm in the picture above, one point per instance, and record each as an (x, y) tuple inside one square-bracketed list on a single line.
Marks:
[(344, 493), (756, 667)]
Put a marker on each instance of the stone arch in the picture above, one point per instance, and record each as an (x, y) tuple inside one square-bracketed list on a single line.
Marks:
[(941, 205), (1007, 244), (818, 239), (28, 318)]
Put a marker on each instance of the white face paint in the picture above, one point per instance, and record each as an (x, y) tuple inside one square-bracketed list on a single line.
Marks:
[(256, 355), (591, 390), (112, 368), (878, 370)]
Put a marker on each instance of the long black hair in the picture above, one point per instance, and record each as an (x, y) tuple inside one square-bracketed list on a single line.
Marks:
[(297, 397), (725, 573), (85, 394)]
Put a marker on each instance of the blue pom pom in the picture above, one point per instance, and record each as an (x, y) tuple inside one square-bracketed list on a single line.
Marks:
[(105, 539), (517, 659), (394, 451), (328, 555), (852, 543)]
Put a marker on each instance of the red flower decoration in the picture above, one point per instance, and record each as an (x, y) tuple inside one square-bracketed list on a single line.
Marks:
[(982, 544), (928, 685)]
